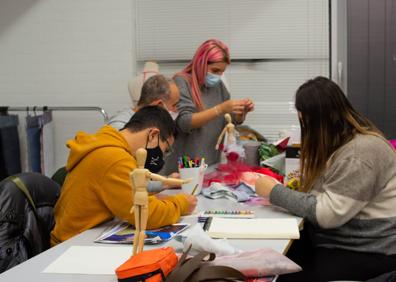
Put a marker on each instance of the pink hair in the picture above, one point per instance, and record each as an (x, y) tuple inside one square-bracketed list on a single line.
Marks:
[(211, 51)]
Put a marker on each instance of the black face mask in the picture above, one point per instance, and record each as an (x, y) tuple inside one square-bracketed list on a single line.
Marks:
[(154, 160)]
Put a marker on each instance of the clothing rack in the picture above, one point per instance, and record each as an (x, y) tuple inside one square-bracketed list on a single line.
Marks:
[(46, 108)]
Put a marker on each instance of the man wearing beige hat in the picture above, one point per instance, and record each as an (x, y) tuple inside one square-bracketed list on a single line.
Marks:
[(161, 91)]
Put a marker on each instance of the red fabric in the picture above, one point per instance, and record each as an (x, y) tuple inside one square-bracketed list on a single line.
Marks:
[(230, 174), (232, 157), (281, 146), (269, 172)]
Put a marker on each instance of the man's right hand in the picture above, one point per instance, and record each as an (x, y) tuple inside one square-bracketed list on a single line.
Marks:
[(192, 203)]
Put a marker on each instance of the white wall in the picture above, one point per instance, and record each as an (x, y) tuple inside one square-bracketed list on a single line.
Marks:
[(282, 44), (67, 53)]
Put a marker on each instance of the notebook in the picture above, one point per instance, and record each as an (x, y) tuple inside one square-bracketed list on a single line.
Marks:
[(123, 233), (252, 228)]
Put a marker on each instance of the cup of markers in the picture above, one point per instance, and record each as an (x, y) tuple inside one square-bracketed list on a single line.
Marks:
[(194, 169)]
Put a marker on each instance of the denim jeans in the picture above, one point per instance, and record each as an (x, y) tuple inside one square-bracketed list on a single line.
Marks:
[(33, 132)]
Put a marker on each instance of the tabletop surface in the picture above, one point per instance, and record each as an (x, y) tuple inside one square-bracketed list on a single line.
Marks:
[(31, 270)]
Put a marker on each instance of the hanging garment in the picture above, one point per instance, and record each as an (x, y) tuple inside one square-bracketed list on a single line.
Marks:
[(10, 161), (47, 145), (33, 135), (40, 143)]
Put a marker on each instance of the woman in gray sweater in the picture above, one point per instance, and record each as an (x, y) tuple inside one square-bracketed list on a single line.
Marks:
[(203, 102), (348, 193)]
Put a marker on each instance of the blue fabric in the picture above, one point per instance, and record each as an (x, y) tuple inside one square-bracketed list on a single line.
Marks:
[(217, 190), (10, 161), (33, 132)]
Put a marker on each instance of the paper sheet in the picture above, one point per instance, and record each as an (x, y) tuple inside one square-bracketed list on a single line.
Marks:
[(90, 260), (254, 228)]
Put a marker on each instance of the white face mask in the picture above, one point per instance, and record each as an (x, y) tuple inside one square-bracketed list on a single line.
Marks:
[(174, 115)]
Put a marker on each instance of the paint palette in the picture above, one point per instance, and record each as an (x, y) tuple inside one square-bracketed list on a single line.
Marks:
[(228, 213)]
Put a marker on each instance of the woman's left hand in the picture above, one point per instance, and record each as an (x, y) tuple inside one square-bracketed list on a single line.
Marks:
[(264, 185), (248, 107)]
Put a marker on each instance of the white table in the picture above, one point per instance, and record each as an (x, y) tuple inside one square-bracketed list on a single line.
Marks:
[(31, 270)]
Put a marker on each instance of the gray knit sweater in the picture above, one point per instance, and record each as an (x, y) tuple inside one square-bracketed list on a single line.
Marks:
[(353, 204)]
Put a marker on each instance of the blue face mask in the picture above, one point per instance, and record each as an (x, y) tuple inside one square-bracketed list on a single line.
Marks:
[(212, 79)]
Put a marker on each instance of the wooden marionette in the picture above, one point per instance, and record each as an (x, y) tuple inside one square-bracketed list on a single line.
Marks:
[(140, 178), (229, 130)]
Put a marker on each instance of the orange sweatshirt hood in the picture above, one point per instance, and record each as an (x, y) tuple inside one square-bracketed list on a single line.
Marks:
[(84, 143)]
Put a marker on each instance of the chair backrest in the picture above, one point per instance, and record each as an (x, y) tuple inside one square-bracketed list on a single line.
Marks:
[(60, 176), (25, 224)]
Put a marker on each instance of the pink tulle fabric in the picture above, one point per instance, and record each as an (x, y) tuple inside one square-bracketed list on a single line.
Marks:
[(233, 173), (262, 262)]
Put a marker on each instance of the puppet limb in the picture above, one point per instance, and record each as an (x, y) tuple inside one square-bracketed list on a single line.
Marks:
[(169, 181), (220, 138), (136, 237), (143, 225)]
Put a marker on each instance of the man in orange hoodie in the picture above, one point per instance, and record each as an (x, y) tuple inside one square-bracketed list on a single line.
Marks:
[(97, 187)]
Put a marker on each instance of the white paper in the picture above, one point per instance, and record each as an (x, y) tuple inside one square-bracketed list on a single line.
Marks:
[(90, 260), (254, 228)]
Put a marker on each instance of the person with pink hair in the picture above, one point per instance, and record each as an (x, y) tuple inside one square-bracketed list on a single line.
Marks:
[(204, 100)]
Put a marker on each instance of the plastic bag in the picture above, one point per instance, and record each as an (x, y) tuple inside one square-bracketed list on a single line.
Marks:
[(259, 263)]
